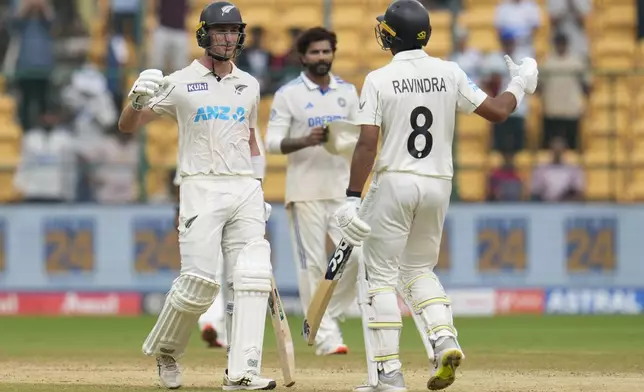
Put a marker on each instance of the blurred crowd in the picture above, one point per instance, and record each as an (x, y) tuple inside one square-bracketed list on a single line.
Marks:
[(68, 107), (564, 83)]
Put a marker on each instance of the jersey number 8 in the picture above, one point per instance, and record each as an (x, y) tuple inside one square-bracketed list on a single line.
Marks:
[(420, 130)]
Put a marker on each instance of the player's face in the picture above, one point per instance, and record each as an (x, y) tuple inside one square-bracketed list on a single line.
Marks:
[(319, 58), (224, 39)]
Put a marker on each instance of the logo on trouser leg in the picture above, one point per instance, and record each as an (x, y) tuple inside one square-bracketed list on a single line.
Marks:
[(252, 358)]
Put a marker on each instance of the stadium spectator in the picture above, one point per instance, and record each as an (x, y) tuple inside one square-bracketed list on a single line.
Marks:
[(32, 25), (557, 181), (171, 42), (508, 136), (504, 183), (468, 58), (568, 17), (116, 61), (47, 169), (520, 18), (564, 83), (89, 101), (114, 162), (287, 66), (256, 60), (124, 15)]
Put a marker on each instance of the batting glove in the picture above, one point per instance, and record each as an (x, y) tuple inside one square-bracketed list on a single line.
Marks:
[(353, 229), (526, 73), (145, 88)]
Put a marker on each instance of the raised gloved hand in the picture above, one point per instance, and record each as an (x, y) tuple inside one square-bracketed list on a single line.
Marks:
[(145, 88), (353, 229), (525, 73)]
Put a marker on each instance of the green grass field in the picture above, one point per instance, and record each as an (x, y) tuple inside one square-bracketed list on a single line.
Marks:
[(503, 354)]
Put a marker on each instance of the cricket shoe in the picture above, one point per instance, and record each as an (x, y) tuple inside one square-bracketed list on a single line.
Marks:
[(169, 372), (209, 335), (332, 349), (392, 382), (248, 382), (446, 361)]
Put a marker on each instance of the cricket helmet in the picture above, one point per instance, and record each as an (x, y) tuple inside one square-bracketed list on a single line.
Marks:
[(404, 26), (220, 13)]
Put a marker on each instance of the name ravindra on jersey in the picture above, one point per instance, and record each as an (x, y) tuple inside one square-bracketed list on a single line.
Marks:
[(419, 86)]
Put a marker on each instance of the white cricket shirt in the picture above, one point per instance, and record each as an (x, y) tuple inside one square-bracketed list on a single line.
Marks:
[(214, 119), (312, 173), (414, 100)]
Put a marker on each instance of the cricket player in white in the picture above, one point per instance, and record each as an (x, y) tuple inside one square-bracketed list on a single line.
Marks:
[(412, 102), (316, 180), (221, 203)]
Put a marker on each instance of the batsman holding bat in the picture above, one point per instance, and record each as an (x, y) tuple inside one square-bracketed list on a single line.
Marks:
[(412, 102), (222, 206), (315, 179)]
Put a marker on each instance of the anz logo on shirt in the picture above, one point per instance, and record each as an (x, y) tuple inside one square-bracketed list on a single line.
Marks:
[(320, 121), (225, 113)]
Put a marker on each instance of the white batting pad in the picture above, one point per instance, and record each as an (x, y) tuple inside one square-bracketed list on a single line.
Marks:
[(252, 285), (343, 136), (384, 323), (189, 297), (426, 298)]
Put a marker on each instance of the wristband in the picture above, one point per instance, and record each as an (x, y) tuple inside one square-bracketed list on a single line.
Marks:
[(136, 106), (354, 194), (515, 87), (259, 166)]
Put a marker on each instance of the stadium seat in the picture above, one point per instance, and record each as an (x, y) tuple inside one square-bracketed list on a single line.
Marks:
[(477, 17), (471, 184), (609, 121), (604, 183), (617, 16), (9, 153), (471, 125), (7, 191), (157, 181), (7, 105), (274, 185)]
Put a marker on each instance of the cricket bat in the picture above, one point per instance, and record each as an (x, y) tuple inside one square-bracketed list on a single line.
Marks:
[(285, 350), (324, 292)]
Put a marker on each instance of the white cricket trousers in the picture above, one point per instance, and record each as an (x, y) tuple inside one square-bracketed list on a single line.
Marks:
[(310, 223), (406, 220), (218, 214)]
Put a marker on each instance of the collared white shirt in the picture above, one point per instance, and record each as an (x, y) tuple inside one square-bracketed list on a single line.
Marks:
[(214, 119), (414, 100), (298, 106)]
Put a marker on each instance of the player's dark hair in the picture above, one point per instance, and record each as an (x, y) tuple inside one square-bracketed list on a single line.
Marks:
[(315, 34)]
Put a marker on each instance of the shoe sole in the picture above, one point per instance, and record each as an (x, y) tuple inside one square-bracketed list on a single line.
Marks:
[(271, 385), (446, 373), (342, 350)]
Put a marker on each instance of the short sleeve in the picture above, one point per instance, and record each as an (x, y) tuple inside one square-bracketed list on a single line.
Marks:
[(470, 96), (165, 102), (369, 107), (279, 123)]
